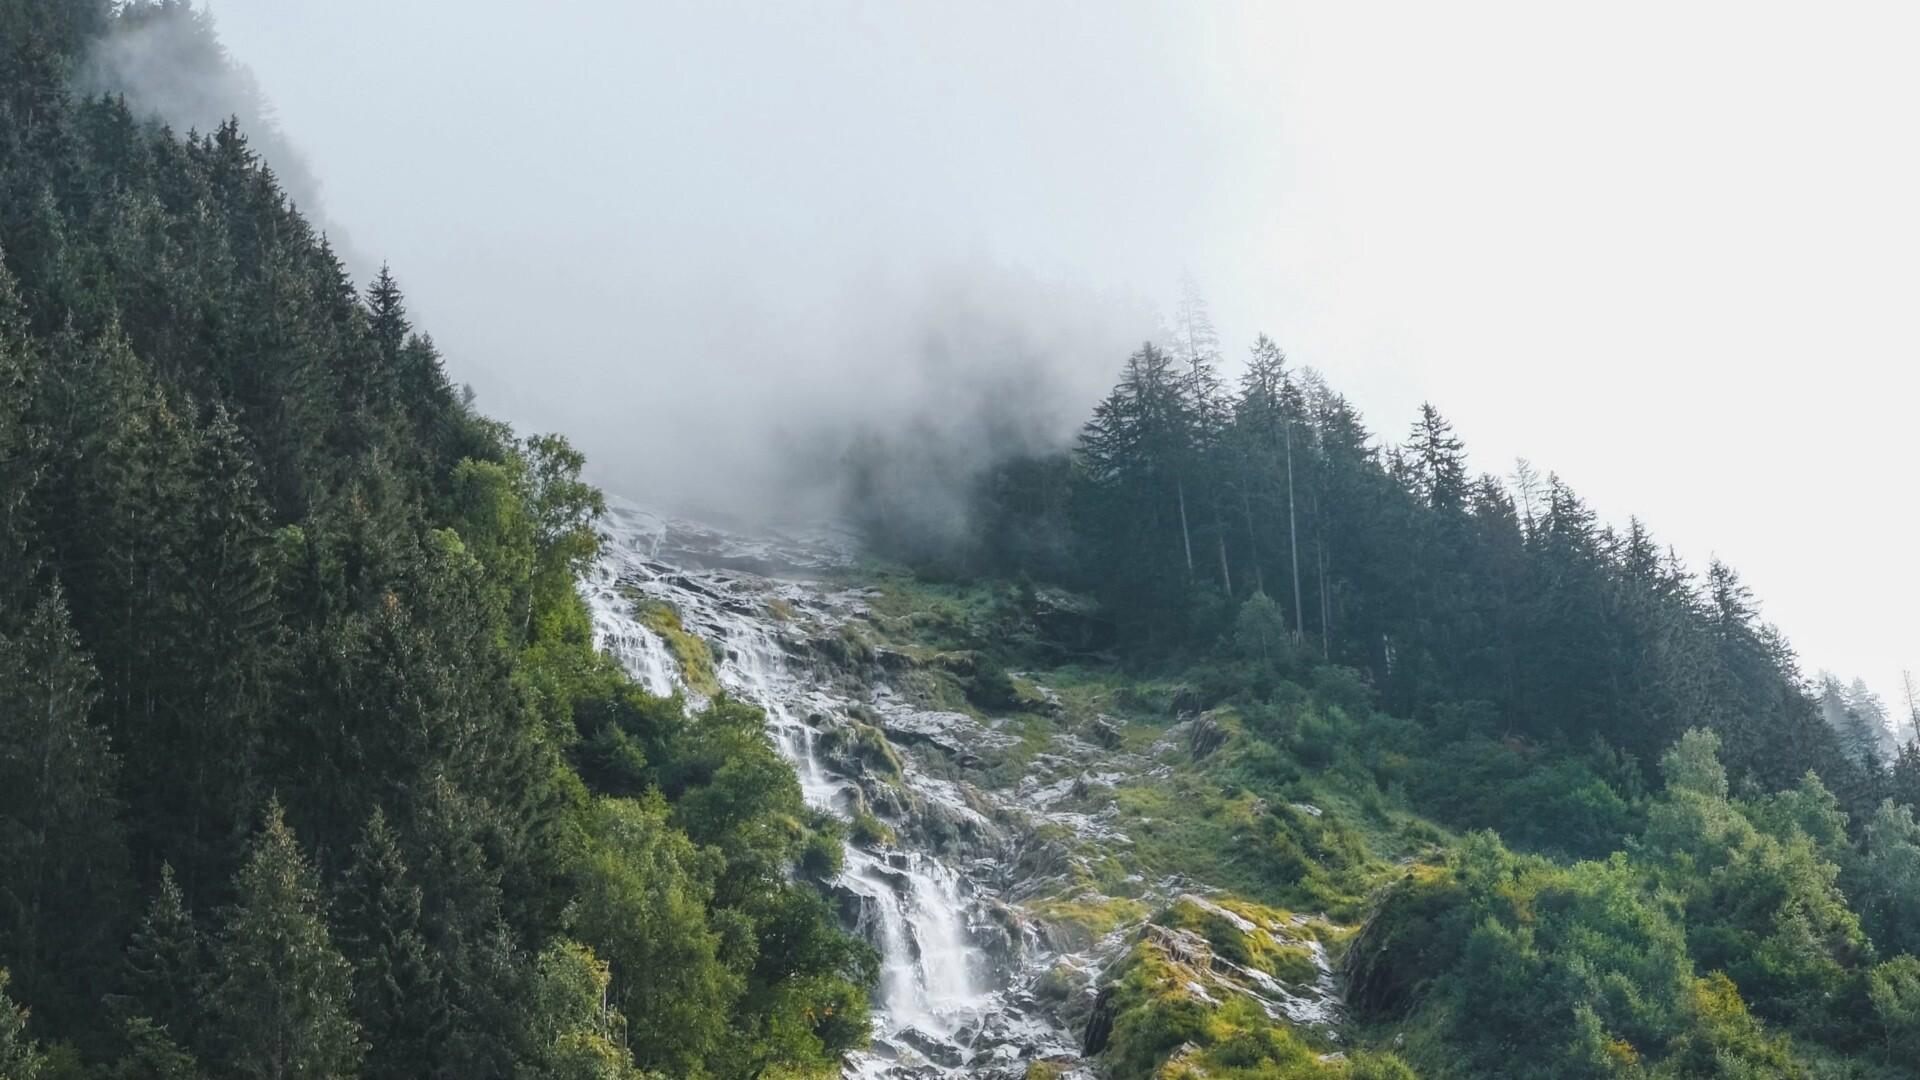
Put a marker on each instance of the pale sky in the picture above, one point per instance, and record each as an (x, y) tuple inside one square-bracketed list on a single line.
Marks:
[(1666, 250)]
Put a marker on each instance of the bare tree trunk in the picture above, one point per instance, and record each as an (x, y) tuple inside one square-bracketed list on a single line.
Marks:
[(1326, 605), (1186, 537), (1293, 541), (1253, 544), (1913, 705)]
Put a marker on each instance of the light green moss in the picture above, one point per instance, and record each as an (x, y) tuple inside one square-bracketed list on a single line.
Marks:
[(1158, 1011), (689, 650), (867, 830), (1088, 916), (1262, 939)]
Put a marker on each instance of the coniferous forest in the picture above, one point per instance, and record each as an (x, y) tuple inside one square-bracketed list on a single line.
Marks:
[(309, 767), (1679, 856), (1691, 861)]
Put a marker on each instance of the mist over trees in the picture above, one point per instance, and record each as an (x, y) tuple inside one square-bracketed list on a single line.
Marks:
[(308, 767), (298, 702), (1187, 497), (1706, 864)]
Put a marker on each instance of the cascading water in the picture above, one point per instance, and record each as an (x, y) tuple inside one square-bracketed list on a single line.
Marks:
[(944, 1007)]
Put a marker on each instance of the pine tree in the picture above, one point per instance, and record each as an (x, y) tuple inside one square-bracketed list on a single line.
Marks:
[(370, 373), (1438, 461), (1856, 717), (1262, 439), (166, 962), (397, 992), (233, 659), (281, 991), (20, 1056), (21, 456), (152, 1054), (1134, 452), (1874, 715), (63, 872), (387, 315), (1208, 411)]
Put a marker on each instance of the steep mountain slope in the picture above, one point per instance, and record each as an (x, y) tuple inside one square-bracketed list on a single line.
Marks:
[(344, 732), (1241, 869), (307, 764)]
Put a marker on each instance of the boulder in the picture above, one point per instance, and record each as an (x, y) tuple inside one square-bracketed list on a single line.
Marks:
[(1205, 736)]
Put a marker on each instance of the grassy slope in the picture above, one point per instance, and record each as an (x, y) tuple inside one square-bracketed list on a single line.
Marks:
[(1298, 808)]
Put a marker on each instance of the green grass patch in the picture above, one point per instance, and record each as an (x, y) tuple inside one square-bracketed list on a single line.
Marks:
[(1246, 934), (689, 650), (1088, 917)]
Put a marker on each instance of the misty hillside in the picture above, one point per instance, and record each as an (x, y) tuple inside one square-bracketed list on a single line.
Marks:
[(310, 768), (347, 732)]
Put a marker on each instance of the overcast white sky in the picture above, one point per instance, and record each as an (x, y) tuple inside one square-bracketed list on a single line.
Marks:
[(1666, 249)]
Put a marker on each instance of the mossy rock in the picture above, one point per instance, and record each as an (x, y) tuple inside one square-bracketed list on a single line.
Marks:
[(867, 830), (1247, 934), (689, 650), (846, 646), (1079, 921), (1166, 1022), (1059, 983), (864, 743)]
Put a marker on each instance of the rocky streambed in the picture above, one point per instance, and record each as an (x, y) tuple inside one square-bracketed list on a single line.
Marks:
[(972, 867)]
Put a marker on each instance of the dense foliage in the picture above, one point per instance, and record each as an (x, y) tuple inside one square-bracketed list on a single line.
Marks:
[(1496, 905), (1201, 512), (308, 767), (1719, 868)]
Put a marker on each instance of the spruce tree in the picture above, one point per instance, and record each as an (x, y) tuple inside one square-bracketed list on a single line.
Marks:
[(281, 992), (20, 1056), (234, 658), (166, 962), (22, 456), (63, 869), (152, 1053), (1438, 461), (397, 990)]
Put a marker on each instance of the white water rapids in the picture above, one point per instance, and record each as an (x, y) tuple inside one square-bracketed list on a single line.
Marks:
[(946, 1005)]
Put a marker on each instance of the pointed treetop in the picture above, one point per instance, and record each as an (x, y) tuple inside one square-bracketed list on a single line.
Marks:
[(387, 308), (1438, 461)]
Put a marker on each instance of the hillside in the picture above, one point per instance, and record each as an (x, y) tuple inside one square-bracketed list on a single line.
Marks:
[(1568, 808), (301, 762), (345, 731)]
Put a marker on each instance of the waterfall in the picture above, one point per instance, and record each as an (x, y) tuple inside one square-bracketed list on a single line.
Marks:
[(968, 985), (934, 999)]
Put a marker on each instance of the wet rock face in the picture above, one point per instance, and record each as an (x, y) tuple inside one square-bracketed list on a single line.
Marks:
[(1186, 700), (1105, 731), (984, 848), (1099, 1024), (960, 735), (1205, 736), (929, 887)]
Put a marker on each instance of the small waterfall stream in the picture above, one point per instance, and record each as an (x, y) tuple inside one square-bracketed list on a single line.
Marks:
[(945, 1006)]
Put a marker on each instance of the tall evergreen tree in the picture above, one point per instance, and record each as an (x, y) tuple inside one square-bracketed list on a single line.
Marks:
[(62, 855), (397, 991), (281, 991), (1439, 461), (20, 1056), (166, 967)]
